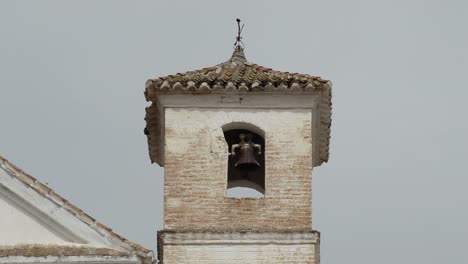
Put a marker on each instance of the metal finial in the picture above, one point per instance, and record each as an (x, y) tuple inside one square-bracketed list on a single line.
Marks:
[(239, 45)]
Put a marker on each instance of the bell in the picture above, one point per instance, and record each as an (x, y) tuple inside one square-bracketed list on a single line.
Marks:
[(246, 153), (246, 158)]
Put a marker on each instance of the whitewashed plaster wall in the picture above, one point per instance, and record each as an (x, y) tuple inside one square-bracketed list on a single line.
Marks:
[(235, 254), (17, 227), (245, 248), (28, 219)]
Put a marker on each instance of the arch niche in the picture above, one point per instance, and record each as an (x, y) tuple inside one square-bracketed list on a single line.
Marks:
[(242, 183)]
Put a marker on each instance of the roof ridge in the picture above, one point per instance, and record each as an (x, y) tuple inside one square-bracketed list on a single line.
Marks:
[(51, 195)]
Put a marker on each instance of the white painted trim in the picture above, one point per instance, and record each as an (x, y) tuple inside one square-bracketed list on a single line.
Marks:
[(241, 100), (59, 220), (43, 219)]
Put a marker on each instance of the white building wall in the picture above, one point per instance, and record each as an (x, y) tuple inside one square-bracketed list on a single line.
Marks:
[(17, 227), (238, 247), (236, 254)]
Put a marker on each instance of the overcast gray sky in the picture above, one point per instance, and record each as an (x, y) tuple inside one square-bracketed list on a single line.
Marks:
[(72, 76)]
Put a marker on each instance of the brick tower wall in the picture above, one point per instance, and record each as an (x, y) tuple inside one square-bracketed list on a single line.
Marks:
[(196, 171)]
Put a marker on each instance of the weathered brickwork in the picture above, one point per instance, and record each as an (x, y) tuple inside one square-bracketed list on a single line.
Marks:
[(196, 157), (185, 125)]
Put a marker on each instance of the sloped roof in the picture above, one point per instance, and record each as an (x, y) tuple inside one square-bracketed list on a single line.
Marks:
[(234, 75), (237, 75), (49, 194)]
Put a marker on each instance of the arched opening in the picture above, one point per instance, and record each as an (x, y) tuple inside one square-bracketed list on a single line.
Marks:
[(246, 161)]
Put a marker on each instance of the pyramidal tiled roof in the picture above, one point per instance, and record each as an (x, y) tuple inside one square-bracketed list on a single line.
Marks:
[(237, 75)]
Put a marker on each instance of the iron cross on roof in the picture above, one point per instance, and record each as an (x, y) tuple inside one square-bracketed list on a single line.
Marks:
[(239, 45)]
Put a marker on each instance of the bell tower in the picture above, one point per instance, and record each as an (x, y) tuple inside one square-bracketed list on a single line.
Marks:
[(238, 125)]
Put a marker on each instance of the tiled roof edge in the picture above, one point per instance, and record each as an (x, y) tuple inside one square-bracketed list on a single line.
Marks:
[(219, 79), (51, 195)]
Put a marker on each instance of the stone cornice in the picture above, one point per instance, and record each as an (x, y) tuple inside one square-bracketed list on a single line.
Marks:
[(207, 238)]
